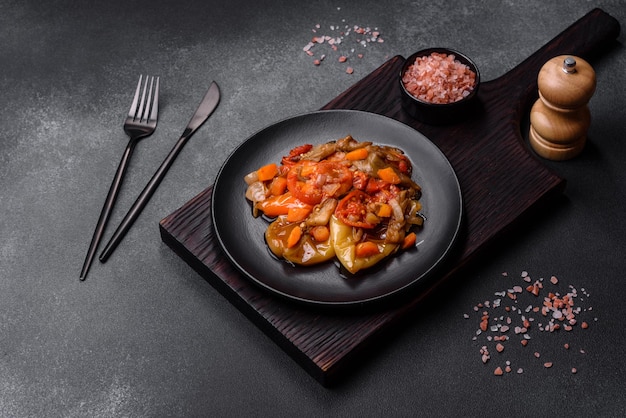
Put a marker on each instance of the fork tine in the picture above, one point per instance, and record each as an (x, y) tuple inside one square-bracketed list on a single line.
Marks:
[(133, 106), (144, 115), (139, 115), (154, 110)]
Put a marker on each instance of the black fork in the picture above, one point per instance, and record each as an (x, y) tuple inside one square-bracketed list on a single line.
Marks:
[(140, 123)]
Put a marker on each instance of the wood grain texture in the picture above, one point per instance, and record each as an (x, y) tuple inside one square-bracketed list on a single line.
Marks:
[(501, 181)]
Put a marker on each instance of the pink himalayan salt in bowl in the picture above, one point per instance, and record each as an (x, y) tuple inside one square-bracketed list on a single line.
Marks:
[(439, 86)]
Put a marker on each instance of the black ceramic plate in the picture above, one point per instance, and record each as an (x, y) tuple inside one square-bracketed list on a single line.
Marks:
[(242, 237)]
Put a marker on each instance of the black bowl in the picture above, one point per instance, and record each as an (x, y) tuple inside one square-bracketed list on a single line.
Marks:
[(439, 113)]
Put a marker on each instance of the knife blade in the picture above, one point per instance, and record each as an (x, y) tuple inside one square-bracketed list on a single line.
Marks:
[(205, 109)]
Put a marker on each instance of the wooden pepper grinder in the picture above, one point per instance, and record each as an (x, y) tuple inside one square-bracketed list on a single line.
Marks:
[(560, 118)]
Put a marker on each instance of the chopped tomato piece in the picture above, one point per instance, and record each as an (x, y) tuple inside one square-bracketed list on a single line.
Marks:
[(374, 185), (352, 210), (404, 166), (359, 180), (295, 154), (311, 182)]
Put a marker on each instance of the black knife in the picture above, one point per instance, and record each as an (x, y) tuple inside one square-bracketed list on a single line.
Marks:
[(207, 106)]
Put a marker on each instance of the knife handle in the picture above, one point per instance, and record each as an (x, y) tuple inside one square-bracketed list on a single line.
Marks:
[(143, 199)]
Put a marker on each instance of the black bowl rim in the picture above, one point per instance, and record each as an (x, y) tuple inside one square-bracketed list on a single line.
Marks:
[(427, 51)]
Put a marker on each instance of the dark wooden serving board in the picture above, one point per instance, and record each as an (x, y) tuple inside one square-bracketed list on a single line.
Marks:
[(501, 180)]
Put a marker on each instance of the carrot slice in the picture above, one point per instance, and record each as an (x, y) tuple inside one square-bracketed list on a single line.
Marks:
[(357, 154), (294, 236), (267, 172), (389, 175), (298, 213), (409, 241), (384, 211), (278, 186), (320, 233), (366, 249)]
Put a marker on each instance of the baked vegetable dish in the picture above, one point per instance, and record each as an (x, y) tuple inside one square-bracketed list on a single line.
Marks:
[(344, 199)]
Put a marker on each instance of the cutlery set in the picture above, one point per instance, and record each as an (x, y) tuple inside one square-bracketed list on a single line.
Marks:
[(140, 123)]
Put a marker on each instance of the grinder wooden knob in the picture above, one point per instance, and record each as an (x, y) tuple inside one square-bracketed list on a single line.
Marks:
[(560, 118)]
